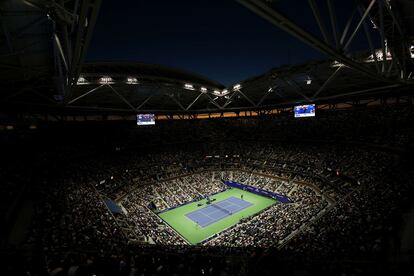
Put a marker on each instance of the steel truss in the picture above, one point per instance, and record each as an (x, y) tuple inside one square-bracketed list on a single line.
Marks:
[(72, 23), (336, 46), (370, 18), (386, 100)]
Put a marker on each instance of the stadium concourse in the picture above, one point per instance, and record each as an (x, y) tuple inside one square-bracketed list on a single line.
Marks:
[(348, 195)]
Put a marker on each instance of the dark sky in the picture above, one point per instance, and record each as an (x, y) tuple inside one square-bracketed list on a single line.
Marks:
[(219, 39)]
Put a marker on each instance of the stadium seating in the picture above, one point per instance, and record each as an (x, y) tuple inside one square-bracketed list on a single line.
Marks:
[(340, 189)]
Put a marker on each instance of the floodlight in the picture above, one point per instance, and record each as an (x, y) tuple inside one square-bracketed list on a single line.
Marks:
[(132, 80), (81, 80), (337, 64), (237, 87), (188, 86), (105, 80), (203, 89)]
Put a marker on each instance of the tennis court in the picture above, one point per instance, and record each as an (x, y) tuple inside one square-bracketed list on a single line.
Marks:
[(197, 223), (217, 211)]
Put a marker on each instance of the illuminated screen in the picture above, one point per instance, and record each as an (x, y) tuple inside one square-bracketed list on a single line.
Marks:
[(145, 119), (307, 110)]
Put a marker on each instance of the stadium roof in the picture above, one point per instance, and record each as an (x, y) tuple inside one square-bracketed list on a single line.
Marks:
[(135, 88), (44, 47)]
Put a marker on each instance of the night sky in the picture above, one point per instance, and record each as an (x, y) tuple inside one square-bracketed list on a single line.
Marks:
[(220, 39)]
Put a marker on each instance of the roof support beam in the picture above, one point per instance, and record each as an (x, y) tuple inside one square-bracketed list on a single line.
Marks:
[(377, 90), (177, 102), (390, 67), (318, 18), (277, 19), (270, 90), (122, 98), (59, 58), (230, 99), (383, 38), (62, 55), (247, 98), (85, 94), (369, 39), (334, 23), (143, 103), (213, 101), (359, 25), (398, 40), (331, 77), (394, 18), (195, 100), (296, 88), (88, 13), (353, 93), (98, 109), (90, 22), (346, 29)]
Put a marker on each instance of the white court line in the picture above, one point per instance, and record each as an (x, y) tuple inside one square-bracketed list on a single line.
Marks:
[(214, 211), (211, 214), (213, 220), (227, 203)]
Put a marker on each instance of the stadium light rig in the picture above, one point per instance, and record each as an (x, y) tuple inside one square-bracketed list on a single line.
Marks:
[(132, 80), (188, 86), (336, 63), (82, 80), (237, 87), (105, 80), (221, 93), (203, 89)]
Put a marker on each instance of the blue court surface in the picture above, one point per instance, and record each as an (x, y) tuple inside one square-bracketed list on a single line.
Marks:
[(217, 211)]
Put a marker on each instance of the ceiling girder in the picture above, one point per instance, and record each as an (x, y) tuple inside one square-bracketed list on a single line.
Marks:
[(364, 16), (193, 102), (122, 98), (85, 94), (265, 11), (329, 80)]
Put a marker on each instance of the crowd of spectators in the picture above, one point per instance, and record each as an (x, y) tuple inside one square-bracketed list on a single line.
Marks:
[(348, 195), (177, 191)]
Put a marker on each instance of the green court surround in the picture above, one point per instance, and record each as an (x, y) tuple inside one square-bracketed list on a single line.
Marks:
[(194, 234)]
